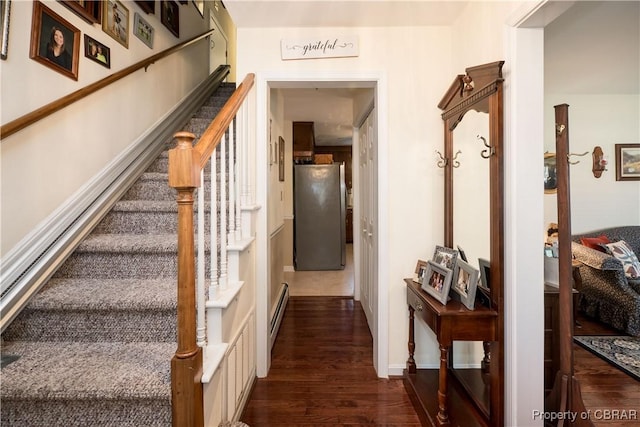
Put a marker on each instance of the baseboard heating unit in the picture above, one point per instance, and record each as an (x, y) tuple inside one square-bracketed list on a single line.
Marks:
[(277, 312)]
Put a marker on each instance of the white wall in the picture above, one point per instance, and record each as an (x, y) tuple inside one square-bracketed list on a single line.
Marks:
[(47, 163), (596, 120), (415, 87)]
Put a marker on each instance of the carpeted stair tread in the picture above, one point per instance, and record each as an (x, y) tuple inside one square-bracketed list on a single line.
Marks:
[(72, 370), (129, 243), (146, 206), (106, 294)]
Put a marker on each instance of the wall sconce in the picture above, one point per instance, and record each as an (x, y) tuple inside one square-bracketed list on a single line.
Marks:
[(599, 162)]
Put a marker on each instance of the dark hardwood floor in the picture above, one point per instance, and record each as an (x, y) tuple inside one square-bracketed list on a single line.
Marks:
[(322, 372), (604, 388)]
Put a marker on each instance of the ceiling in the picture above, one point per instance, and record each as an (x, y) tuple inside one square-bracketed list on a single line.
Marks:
[(594, 47)]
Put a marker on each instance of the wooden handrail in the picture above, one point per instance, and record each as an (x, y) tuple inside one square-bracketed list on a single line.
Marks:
[(186, 161), (213, 134), (46, 110)]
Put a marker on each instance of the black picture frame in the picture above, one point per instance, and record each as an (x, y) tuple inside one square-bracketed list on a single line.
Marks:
[(97, 52), (170, 16), (148, 7), (45, 24)]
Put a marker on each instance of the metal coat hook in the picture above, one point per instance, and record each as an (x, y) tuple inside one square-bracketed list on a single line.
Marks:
[(442, 162), (560, 128), (575, 154), (490, 151), (456, 164)]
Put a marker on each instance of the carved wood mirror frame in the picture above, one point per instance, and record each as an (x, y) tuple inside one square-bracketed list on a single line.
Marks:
[(480, 89)]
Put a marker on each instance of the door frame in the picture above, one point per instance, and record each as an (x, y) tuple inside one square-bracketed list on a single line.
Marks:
[(264, 82)]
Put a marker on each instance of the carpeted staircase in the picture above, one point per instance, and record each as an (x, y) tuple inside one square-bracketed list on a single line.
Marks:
[(95, 344)]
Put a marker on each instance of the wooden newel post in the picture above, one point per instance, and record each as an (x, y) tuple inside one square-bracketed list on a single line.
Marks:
[(186, 365)]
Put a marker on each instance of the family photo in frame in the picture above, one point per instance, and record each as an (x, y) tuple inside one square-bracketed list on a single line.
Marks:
[(55, 43), (97, 52), (437, 281)]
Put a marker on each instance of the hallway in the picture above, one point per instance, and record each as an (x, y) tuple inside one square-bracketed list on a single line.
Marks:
[(322, 372)]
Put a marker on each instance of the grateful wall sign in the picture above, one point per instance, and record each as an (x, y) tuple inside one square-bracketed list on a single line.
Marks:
[(311, 48)]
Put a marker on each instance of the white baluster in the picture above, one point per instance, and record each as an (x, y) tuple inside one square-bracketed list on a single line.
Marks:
[(223, 213), (213, 231), (232, 185), (200, 292)]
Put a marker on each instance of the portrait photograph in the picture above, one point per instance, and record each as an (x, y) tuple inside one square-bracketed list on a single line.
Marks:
[(627, 162), (421, 268), (115, 21), (97, 52), (54, 41)]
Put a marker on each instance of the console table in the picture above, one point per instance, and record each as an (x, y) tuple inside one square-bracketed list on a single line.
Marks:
[(451, 322)]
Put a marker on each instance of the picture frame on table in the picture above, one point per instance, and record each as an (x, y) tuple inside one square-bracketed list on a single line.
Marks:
[(55, 43), (627, 162), (445, 257), (465, 283), (421, 269), (484, 284), (143, 30), (149, 7), (89, 10), (437, 281), (170, 16), (97, 52), (115, 21), (5, 14)]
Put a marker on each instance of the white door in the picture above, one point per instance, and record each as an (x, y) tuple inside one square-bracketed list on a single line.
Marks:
[(368, 225), (217, 44)]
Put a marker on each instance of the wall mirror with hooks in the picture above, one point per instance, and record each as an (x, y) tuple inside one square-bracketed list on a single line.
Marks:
[(473, 202)]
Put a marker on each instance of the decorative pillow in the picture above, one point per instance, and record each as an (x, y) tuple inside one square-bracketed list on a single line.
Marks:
[(595, 242), (622, 251)]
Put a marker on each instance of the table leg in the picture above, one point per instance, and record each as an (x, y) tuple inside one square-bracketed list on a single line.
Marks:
[(443, 416), (411, 363)]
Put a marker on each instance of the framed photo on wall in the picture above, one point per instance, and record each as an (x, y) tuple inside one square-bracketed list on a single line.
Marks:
[(280, 158), (89, 10), (5, 13), (170, 16), (143, 30), (627, 162), (148, 7), (97, 52), (54, 41), (115, 21)]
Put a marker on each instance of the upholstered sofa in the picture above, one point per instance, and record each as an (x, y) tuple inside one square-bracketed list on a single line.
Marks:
[(608, 294)]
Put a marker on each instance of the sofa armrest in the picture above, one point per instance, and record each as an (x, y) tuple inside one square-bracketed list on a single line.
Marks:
[(595, 259)]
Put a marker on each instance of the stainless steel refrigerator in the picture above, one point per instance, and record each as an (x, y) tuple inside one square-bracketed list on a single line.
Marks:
[(319, 204)]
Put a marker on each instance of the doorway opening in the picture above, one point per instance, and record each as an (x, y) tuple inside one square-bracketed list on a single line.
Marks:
[(284, 101)]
